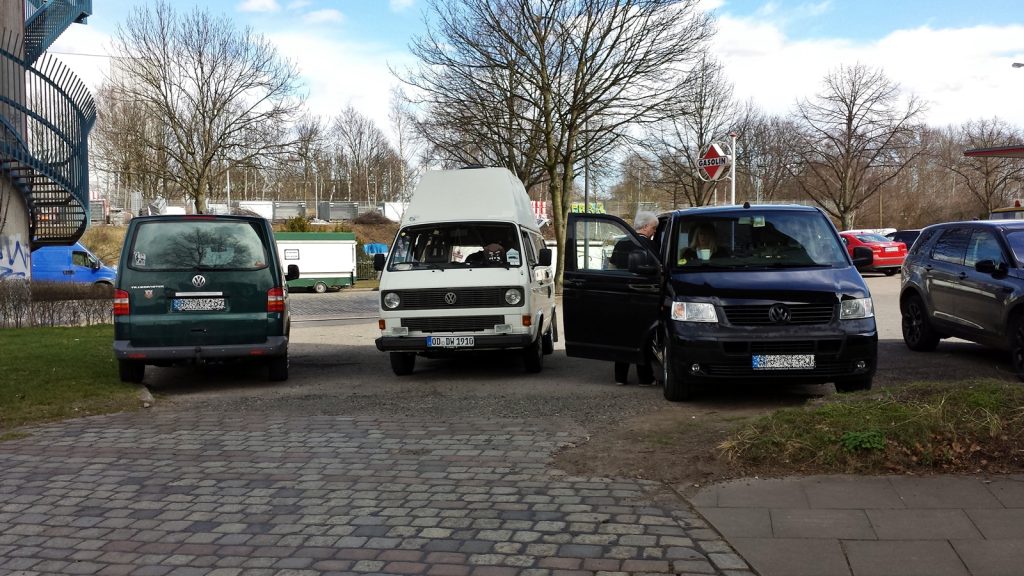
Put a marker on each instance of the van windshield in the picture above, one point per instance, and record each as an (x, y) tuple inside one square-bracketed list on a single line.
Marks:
[(756, 240), (456, 245), (197, 245)]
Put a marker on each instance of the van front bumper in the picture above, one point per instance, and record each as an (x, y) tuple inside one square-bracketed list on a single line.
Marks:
[(274, 346), (836, 356), (483, 342)]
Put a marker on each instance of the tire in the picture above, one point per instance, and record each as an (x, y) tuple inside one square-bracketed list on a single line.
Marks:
[(676, 387), (277, 368), (403, 363), (319, 287), (1016, 325), (854, 384), (918, 333), (533, 356), (622, 373), (131, 371)]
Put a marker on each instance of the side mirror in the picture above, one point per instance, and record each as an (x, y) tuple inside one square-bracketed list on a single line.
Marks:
[(641, 262), (544, 257), (293, 272), (95, 265), (990, 267), (862, 256), (378, 261)]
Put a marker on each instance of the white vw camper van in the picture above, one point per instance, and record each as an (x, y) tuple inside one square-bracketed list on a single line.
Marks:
[(467, 271)]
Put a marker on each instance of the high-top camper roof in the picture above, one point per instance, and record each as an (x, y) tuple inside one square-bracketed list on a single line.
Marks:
[(470, 194)]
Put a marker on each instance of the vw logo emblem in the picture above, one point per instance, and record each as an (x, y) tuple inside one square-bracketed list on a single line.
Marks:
[(779, 313), (199, 281), (450, 298)]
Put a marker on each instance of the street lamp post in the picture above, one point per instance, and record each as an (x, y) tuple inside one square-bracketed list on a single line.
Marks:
[(732, 171)]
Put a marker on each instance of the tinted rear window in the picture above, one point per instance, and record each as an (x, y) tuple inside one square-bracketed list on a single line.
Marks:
[(197, 245)]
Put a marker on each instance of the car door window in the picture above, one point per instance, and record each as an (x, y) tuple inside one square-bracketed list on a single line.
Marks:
[(951, 246), (80, 259), (603, 245), (983, 246)]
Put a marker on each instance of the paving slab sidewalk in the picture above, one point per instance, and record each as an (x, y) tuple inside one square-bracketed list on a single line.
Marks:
[(872, 526)]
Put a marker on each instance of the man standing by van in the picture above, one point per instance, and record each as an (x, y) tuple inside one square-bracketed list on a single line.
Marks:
[(645, 224)]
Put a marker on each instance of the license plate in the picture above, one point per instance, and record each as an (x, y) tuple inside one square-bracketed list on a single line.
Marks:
[(892, 248), (197, 304), (450, 342), (784, 362)]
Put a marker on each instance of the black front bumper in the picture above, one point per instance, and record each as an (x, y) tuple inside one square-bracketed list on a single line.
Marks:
[(419, 343), (836, 356)]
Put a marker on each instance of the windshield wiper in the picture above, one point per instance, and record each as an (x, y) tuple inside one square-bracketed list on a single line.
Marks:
[(798, 265)]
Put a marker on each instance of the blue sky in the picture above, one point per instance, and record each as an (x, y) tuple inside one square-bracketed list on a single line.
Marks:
[(955, 54)]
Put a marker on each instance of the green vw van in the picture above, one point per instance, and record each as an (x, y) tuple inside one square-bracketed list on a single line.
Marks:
[(200, 288)]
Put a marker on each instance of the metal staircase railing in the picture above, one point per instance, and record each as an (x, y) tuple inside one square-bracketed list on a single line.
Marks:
[(45, 117), (48, 20)]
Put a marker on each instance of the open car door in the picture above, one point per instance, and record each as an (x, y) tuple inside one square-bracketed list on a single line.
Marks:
[(611, 291)]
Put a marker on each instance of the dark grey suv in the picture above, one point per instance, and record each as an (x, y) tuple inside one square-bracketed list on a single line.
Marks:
[(965, 280)]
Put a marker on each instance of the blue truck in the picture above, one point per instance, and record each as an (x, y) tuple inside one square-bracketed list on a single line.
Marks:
[(70, 264)]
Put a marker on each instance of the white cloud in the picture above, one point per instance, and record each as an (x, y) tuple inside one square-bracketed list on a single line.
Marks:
[(399, 5), (297, 4), (964, 73), (259, 6), (323, 16), (339, 74)]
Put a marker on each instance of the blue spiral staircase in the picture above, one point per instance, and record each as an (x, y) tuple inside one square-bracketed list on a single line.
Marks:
[(45, 121)]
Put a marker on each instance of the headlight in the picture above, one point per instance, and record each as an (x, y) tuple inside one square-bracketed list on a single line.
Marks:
[(513, 297), (694, 312), (391, 300), (856, 308)]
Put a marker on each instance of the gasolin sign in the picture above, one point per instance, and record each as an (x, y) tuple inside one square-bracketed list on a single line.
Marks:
[(713, 163)]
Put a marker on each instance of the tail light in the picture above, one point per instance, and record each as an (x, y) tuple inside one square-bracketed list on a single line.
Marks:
[(121, 307), (275, 299)]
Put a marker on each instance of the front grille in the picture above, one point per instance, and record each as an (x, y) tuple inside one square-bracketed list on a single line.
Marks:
[(453, 323), (464, 298), (800, 314), (783, 347)]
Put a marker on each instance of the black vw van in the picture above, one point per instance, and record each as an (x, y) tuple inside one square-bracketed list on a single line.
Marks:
[(777, 298)]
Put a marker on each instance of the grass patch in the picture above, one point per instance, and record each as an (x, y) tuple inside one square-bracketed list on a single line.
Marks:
[(57, 373), (971, 426)]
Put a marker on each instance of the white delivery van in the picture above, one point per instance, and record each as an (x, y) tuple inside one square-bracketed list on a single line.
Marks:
[(467, 271), (326, 259)]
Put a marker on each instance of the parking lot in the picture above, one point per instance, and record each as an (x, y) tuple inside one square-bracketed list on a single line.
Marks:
[(346, 468)]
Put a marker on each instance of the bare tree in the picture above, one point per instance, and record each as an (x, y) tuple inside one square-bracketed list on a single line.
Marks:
[(707, 113), (408, 144), (765, 151), (855, 136), (363, 148), (216, 92), (539, 87), (990, 182)]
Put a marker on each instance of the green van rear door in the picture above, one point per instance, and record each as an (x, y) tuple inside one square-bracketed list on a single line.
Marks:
[(199, 282)]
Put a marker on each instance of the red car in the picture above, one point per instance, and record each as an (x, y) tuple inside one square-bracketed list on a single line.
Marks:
[(888, 255)]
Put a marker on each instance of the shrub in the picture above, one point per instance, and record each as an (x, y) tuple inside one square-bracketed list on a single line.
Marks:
[(297, 224), (25, 304), (371, 218)]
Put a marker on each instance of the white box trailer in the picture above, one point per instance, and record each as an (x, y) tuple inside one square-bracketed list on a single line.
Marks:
[(325, 259)]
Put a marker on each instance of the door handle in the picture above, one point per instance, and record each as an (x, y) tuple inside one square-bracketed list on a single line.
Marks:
[(574, 283), (644, 287)]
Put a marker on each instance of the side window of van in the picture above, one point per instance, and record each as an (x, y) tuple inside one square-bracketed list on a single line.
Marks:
[(80, 259), (529, 249)]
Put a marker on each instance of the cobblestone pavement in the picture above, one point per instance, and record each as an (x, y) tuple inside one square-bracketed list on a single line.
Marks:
[(348, 303), (187, 492)]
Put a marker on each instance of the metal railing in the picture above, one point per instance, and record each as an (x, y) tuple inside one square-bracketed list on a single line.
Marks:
[(51, 17), (45, 117)]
